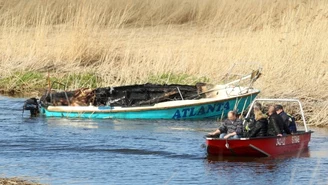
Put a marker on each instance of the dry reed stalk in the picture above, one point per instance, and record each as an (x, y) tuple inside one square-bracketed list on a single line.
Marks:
[(127, 41)]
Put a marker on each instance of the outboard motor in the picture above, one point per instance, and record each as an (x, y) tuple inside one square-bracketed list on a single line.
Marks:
[(32, 105)]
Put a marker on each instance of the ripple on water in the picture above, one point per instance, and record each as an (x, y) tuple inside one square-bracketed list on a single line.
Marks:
[(77, 151)]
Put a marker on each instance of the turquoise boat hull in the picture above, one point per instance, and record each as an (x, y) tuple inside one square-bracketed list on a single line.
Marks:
[(212, 109)]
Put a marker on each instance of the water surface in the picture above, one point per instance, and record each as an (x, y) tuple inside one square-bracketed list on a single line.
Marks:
[(76, 151)]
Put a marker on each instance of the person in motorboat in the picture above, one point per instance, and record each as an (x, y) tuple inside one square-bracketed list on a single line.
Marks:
[(289, 123), (260, 128), (276, 124), (250, 124), (230, 128)]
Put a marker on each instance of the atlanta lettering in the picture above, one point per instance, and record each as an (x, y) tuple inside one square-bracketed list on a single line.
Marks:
[(202, 110)]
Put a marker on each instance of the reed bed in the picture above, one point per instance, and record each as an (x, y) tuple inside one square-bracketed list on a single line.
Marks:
[(137, 41)]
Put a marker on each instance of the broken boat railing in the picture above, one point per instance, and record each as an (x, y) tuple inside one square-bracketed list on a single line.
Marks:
[(50, 89), (252, 76)]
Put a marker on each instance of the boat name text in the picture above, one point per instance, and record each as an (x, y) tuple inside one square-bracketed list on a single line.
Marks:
[(281, 141), (202, 110), (295, 139)]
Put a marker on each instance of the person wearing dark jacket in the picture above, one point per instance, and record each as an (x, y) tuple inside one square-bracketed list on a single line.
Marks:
[(251, 119), (275, 126), (231, 127), (280, 111), (261, 125)]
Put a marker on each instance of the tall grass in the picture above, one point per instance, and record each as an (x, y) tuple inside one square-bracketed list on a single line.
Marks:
[(130, 41)]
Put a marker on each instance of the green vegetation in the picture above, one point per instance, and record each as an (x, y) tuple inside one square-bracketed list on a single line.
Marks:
[(27, 82), (30, 81), (77, 80), (19, 82)]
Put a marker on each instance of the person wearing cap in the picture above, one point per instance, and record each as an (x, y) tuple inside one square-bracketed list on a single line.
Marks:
[(230, 128), (280, 111)]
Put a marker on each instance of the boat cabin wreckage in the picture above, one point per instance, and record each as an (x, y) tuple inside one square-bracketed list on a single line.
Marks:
[(124, 96), (148, 101)]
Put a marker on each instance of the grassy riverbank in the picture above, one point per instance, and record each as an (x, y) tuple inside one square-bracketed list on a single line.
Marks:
[(16, 181), (117, 42)]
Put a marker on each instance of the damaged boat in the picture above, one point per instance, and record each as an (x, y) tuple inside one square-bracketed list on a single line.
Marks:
[(148, 101)]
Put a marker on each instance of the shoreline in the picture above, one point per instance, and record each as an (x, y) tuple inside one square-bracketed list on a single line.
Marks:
[(309, 105), (16, 181)]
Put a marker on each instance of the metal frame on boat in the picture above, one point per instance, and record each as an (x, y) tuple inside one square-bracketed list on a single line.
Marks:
[(262, 146)]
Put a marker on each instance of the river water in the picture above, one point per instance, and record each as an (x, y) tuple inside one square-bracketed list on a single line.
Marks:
[(75, 151)]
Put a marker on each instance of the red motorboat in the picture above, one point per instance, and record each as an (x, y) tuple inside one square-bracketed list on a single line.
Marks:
[(262, 146)]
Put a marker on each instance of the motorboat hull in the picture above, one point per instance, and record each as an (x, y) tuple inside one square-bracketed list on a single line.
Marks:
[(259, 147)]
